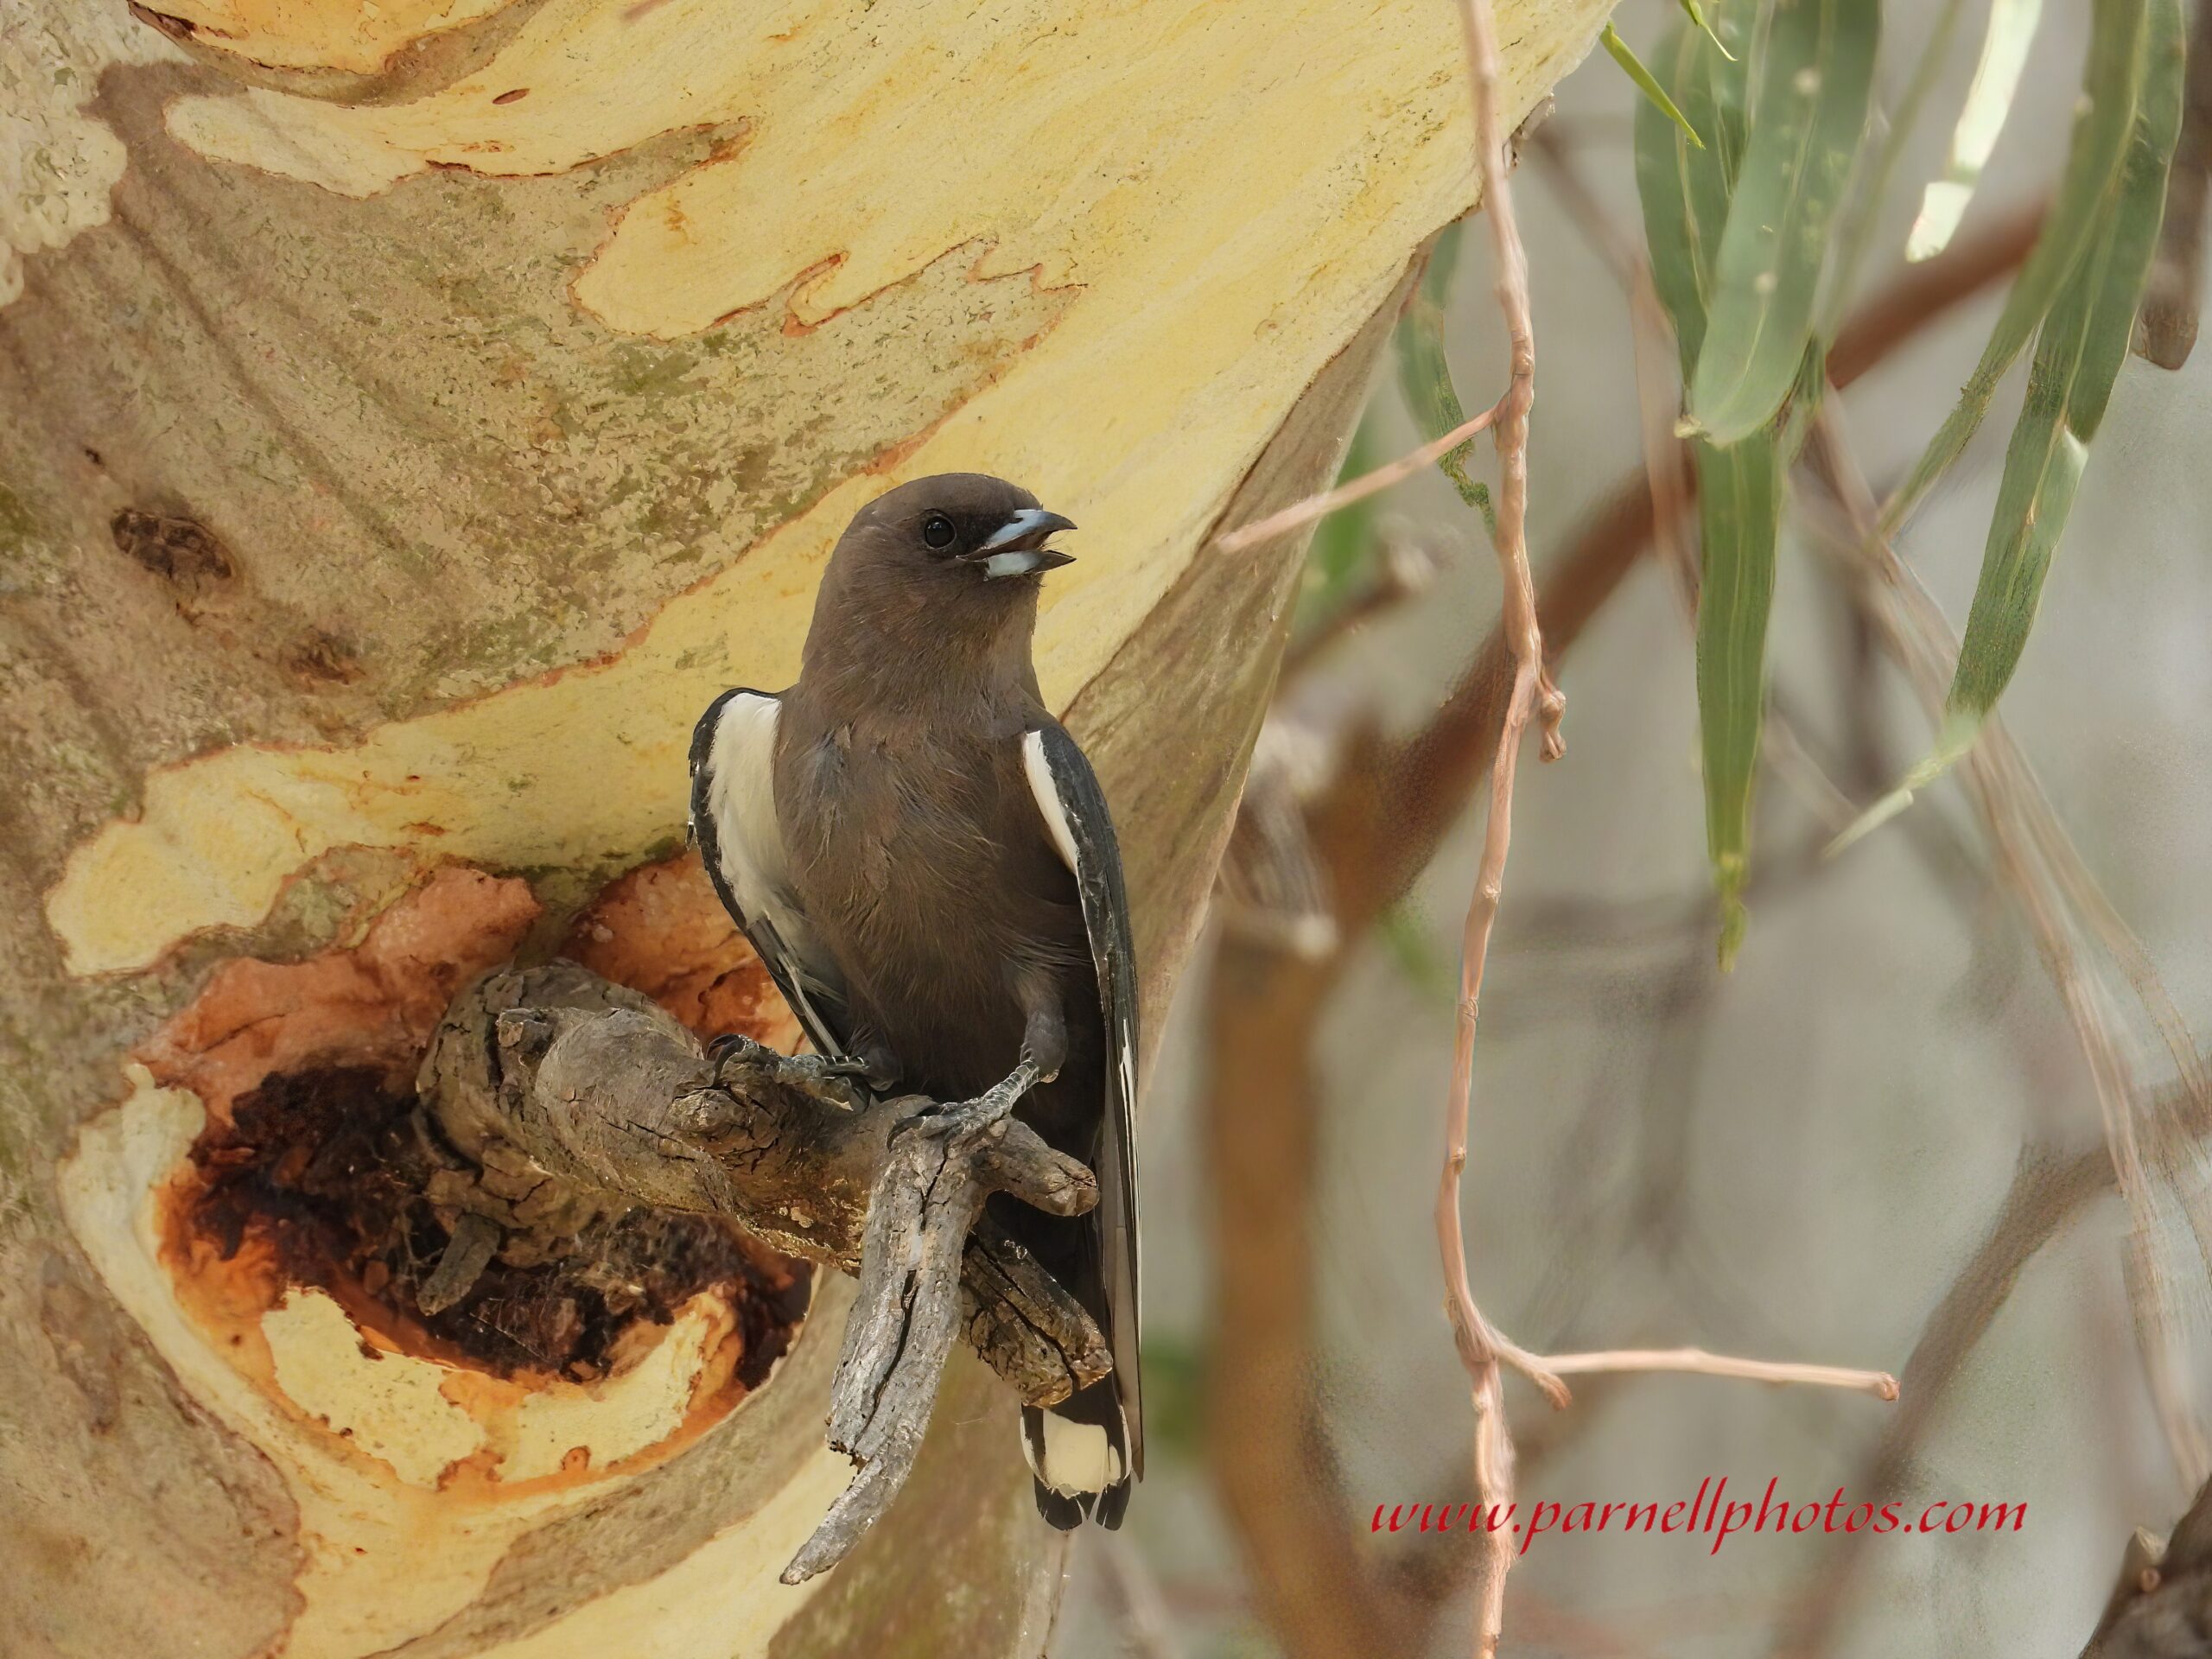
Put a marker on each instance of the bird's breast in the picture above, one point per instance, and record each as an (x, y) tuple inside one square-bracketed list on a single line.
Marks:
[(928, 881)]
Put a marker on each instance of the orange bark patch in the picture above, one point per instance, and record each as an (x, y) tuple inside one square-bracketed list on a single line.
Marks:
[(316, 1165), (660, 930), (374, 1005)]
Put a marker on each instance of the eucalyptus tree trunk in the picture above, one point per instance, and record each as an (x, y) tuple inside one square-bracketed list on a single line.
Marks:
[(409, 416)]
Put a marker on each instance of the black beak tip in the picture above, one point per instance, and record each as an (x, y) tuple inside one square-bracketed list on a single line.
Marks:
[(1049, 524), (1018, 548)]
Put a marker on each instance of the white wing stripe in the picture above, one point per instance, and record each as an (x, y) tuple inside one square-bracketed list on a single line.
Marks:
[(743, 799), (1040, 772), (749, 848)]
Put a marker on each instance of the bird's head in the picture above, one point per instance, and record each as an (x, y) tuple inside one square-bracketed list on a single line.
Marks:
[(957, 537), (944, 570)]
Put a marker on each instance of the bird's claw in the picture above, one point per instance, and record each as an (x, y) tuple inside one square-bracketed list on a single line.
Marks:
[(734, 1046), (831, 1075), (980, 1112)]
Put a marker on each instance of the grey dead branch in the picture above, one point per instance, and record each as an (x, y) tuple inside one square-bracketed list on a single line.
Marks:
[(575, 1097)]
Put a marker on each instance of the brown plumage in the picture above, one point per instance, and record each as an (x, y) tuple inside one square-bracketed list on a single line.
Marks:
[(949, 899)]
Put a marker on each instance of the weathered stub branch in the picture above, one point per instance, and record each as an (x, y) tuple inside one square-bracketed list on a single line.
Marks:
[(575, 1099), (940, 1167)]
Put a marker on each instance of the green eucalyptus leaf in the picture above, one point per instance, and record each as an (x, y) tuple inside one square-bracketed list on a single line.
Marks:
[(2079, 351), (1687, 208), (1695, 13), (1684, 191), (1815, 76), (2078, 357), (1648, 84), (1739, 519), (2112, 91), (1424, 372)]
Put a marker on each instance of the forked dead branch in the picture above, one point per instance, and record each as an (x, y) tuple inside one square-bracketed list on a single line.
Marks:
[(586, 1096)]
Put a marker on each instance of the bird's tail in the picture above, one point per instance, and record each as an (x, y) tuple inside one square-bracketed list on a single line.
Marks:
[(1079, 1452)]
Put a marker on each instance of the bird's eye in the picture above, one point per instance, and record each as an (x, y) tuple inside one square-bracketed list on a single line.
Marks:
[(937, 530)]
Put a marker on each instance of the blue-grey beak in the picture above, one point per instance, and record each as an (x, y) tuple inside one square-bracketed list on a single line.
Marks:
[(1017, 547)]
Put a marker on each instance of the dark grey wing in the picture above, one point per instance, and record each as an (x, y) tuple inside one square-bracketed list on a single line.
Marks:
[(733, 820), (1074, 809)]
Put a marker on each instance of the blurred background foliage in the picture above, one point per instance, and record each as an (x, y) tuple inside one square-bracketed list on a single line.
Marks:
[(1947, 1117)]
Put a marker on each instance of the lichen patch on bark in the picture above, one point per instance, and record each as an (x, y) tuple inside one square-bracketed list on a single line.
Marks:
[(70, 160)]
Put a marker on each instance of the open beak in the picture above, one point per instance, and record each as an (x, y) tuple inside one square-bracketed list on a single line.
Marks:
[(1017, 548)]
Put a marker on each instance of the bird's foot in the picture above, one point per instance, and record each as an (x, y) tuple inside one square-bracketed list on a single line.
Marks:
[(1001, 1096), (994, 1102), (825, 1076), (736, 1048)]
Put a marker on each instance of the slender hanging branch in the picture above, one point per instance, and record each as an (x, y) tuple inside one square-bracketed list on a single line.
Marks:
[(1483, 1350), (1310, 1575)]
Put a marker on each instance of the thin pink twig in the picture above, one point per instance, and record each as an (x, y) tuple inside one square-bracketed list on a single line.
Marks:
[(1533, 694), (1356, 489), (1484, 1350), (1696, 1361)]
